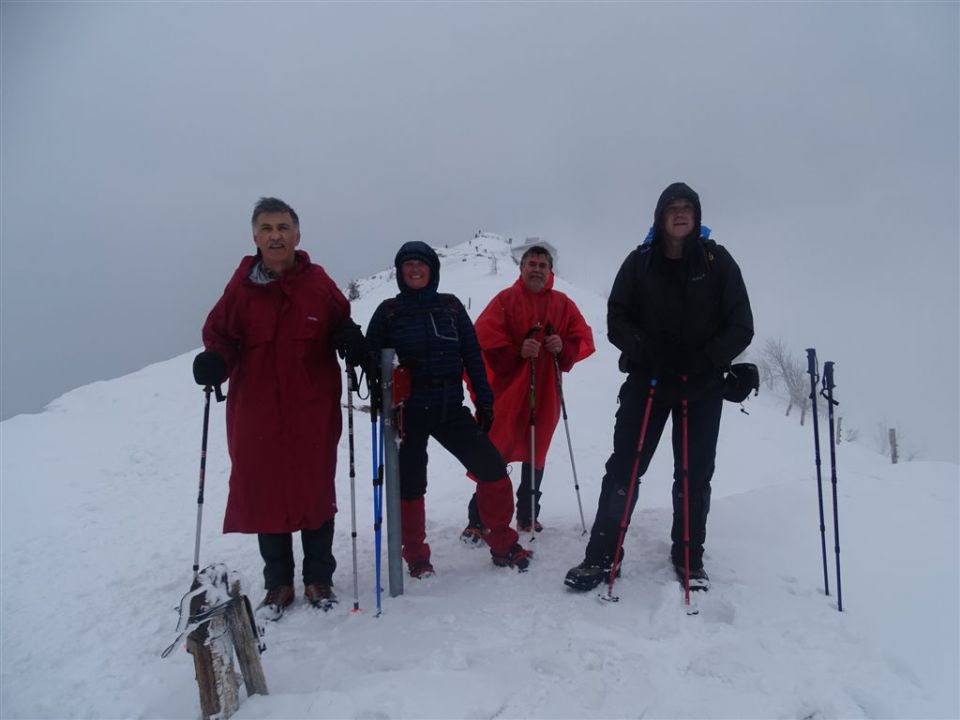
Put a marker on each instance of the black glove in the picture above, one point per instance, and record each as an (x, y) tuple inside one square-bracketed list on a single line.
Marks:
[(485, 418), (351, 344), (209, 368)]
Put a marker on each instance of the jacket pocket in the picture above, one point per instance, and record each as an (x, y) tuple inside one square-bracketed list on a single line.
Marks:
[(444, 326)]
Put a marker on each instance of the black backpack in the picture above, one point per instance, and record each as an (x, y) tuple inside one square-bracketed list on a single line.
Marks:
[(740, 380)]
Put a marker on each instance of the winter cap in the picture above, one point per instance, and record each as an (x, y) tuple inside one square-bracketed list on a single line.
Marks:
[(676, 191)]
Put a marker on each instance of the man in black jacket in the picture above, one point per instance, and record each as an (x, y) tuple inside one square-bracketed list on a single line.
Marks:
[(679, 313)]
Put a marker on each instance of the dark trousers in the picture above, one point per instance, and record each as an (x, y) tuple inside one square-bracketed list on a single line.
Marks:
[(276, 549), (523, 499), (454, 428), (705, 403)]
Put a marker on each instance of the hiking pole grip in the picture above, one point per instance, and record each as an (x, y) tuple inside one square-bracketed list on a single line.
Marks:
[(812, 361), (828, 384)]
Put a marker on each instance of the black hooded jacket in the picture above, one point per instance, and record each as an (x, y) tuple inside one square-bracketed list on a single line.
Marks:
[(670, 317)]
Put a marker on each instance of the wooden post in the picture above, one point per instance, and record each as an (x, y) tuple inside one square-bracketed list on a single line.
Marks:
[(213, 662), (213, 645), (893, 446), (246, 643)]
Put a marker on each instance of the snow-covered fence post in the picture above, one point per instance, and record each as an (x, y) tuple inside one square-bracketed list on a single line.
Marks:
[(228, 629)]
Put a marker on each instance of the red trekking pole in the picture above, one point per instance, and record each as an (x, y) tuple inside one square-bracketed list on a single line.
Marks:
[(633, 484)]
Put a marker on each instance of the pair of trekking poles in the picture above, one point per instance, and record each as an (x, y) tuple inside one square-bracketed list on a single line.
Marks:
[(376, 446), (827, 394), (634, 478), (533, 429)]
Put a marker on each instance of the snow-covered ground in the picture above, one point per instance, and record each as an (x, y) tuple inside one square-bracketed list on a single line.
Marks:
[(98, 521)]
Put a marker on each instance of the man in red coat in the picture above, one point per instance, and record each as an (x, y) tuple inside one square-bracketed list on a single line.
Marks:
[(529, 325), (274, 334)]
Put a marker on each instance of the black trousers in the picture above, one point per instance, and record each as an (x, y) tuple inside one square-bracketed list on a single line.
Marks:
[(455, 429), (276, 549), (704, 405), (523, 499)]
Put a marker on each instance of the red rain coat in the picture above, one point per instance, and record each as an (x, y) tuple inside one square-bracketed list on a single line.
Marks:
[(501, 329), (283, 400)]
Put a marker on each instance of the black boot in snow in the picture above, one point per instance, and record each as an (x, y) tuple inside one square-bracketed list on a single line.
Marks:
[(588, 575), (699, 580)]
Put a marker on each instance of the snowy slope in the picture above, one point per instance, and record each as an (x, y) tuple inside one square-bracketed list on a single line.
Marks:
[(98, 521)]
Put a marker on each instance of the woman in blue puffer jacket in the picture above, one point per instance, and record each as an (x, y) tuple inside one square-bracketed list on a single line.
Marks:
[(435, 340)]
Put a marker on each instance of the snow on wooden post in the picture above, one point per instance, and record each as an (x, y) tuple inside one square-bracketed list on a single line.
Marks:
[(893, 446), (229, 631)]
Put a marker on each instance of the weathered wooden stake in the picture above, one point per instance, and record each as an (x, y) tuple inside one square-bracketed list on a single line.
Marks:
[(213, 646)]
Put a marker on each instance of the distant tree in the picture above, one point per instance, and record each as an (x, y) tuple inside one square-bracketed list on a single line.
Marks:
[(788, 371), (353, 290)]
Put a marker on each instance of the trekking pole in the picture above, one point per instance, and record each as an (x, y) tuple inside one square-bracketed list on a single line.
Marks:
[(533, 455), (352, 387), (828, 386), (684, 422), (633, 483), (376, 443), (203, 471), (814, 378), (566, 427)]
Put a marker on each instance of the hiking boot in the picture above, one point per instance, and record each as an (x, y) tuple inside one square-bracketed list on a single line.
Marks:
[(699, 580), (275, 602), (588, 575), (517, 556), (472, 535), (320, 595), (422, 570), (524, 526)]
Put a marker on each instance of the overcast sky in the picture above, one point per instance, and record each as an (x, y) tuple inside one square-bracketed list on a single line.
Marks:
[(822, 138)]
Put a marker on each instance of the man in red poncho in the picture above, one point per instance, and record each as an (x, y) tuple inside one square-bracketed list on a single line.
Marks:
[(529, 324), (274, 334)]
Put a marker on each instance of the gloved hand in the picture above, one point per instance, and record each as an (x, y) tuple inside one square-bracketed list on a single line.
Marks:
[(350, 343), (209, 368), (485, 418), (553, 344), (529, 348)]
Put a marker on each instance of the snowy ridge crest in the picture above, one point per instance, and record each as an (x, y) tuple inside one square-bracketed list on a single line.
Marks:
[(484, 254)]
